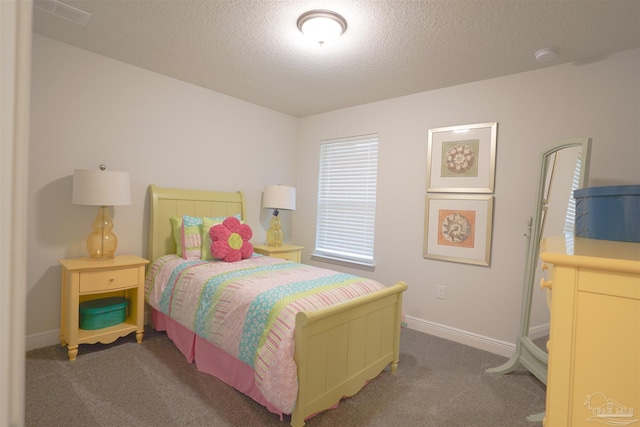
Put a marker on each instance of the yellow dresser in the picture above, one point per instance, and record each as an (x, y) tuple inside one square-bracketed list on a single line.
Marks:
[(594, 341)]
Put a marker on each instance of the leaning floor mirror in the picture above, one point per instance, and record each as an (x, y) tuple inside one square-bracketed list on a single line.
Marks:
[(563, 169)]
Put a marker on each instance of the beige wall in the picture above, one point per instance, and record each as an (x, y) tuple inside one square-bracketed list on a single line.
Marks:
[(534, 110), (88, 109)]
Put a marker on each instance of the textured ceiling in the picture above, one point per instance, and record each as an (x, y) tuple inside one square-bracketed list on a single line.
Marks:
[(252, 50)]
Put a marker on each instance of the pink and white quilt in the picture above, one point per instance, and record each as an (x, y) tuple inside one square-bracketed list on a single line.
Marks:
[(248, 308)]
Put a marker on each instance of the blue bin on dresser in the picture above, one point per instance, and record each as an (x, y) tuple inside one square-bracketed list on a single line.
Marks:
[(608, 213)]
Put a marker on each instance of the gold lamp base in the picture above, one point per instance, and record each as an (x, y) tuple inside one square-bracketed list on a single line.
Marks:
[(102, 243), (275, 235)]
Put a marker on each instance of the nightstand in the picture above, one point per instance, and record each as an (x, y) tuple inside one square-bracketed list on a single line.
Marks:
[(288, 252), (85, 279)]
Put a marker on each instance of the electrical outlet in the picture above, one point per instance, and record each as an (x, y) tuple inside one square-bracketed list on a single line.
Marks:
[(440, 292)]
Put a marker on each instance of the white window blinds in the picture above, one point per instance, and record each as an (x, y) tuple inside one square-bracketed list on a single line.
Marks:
[(570, 218), (347, 199)]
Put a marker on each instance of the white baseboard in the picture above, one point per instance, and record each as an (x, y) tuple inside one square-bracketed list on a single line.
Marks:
[(539, 331), (46, 339), (492, 345), (43, 339), (503, 348)]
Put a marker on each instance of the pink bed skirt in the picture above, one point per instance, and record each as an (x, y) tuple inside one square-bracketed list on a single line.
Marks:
[(211, 359)]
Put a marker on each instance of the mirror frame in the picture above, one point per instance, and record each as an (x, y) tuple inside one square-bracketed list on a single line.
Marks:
[(527, 353)]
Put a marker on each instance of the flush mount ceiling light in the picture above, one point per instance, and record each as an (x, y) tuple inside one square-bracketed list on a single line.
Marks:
[(546, 54), (322, 26)]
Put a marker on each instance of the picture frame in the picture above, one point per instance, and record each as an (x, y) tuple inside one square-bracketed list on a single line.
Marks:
[(458, 228), (462, 159)]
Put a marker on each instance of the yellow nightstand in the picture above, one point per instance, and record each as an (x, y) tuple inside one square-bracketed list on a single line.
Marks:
[(84, 279), (288, 252)]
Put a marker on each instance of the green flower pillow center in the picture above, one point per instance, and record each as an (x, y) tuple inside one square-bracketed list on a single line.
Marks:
[(235, 241)]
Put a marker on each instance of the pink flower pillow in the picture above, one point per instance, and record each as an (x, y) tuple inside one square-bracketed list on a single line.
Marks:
[(230, 240)]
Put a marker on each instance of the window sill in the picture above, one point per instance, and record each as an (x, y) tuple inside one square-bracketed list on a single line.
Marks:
[(343, 262)]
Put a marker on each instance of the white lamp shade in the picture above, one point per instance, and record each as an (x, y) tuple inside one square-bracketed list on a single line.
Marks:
[(101, 188), (279, 197)]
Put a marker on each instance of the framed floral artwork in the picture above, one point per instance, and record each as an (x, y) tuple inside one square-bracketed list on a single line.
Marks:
[(462, 159), (458, 228)]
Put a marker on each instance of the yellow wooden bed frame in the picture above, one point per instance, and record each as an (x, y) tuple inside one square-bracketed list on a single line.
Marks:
[(337, 349)]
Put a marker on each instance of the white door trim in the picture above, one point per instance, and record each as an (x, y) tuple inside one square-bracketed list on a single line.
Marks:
[(15, 82)]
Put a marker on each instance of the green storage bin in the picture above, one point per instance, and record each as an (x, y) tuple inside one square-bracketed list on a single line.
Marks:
[(104, 312)]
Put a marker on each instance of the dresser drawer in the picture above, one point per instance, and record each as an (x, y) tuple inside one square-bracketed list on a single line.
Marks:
[(624, 285), (107, 280)]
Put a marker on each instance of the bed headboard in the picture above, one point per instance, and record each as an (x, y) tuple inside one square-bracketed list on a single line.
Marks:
[(168, 202)]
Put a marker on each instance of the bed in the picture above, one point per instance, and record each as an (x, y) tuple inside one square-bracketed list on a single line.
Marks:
[(336, 349)]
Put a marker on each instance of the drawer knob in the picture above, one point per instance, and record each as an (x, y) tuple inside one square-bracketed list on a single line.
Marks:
[(545, 284), (545, 267)]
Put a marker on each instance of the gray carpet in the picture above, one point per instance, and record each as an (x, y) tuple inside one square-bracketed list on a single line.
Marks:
[(439, 383)]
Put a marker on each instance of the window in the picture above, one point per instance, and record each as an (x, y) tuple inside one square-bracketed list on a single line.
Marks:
[(347, 199)]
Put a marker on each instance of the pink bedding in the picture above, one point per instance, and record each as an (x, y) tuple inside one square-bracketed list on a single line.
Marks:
[(245, 312), (211, 360)]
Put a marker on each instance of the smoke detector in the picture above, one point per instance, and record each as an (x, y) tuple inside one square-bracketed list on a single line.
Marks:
[(546, 54)]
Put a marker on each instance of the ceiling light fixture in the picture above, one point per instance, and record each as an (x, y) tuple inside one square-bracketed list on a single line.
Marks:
[(322, 26), (546, 54)]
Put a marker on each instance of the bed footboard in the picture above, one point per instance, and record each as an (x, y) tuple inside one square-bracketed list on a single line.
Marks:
[(340, 348)]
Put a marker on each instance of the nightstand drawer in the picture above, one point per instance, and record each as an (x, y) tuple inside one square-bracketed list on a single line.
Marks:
[(107, 280), (289, 256), (289, 252)]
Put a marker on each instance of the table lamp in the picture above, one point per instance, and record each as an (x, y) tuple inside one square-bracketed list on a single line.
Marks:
[(277, 197), (101, 188)]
